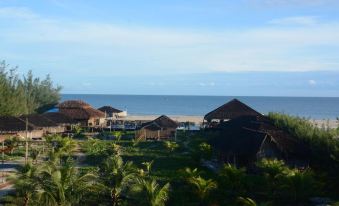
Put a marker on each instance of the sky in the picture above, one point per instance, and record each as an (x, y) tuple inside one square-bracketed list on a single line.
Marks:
[(191, 47)]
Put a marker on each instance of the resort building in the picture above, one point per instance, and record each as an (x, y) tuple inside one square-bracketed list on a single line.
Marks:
[(13, 126), (39, 122), (82, 113), (243, 140), (230, 110), (113, 113), (161, 128)]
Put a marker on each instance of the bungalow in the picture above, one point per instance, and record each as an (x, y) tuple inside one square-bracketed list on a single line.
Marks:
[(82, 113), (112, 112), (13, 126), (161, 128), (41, 123), (244, 140), (230, 110)]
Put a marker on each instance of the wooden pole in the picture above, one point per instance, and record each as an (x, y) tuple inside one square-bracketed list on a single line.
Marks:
[(26, 144)]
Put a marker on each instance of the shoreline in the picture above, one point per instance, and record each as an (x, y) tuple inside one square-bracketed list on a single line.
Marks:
[(331, 123)]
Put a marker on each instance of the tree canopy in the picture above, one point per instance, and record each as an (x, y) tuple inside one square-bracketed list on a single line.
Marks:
[(26, 94)]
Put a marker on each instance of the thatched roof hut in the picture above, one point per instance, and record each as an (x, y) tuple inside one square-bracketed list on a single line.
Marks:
[(82, 112), (163, 122), (10, 124), (231, 110), (38, 120), (162, 127), (109, 110), (246, 139)]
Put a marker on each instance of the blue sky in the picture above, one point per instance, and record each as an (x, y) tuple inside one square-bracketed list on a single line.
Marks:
[(211, 47)]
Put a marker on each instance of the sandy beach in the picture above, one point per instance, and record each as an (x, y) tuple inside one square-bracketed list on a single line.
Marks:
[(198, 119)]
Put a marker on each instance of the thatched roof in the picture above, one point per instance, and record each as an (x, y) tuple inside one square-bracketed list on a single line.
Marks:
[(231, 110), (163, 121), (38, 120), (13, 124), (82, 113), (152, 127), (109, 109), (79, 110), (73, 104), (58, 118)]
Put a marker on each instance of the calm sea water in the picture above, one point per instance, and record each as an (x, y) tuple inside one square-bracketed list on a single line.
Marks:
[(309, 107)]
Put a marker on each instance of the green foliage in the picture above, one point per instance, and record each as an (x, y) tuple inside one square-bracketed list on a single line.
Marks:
[(25, 95), (290, 185), (170, 145), (116, 176), (202, 186), (153, 193), (51, 184), (324, 146), (62, 146), (233, 180)]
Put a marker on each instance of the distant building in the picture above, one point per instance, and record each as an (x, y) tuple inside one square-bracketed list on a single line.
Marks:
[(230, 110), (13, 126), (42, 123), (161, 128), (82, 113), (112, 113)]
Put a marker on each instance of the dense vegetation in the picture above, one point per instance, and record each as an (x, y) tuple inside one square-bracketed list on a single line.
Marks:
[(25, 95), (129, 172), (323, 143)]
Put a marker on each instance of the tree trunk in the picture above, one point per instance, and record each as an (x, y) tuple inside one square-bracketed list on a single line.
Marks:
[(26, 200)]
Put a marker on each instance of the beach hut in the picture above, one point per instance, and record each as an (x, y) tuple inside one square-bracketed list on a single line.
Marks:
[(82, 113), (113, 112), (244, 140), (42, 123), (230, 110), (161, 128), (13, 126)]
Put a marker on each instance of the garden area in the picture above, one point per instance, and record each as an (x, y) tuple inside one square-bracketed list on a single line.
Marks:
[(114, 169)]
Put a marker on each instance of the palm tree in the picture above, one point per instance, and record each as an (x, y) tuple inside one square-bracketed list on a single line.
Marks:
[(25, 184), (155, 194), (116, 174), (62, 185), (202, 187)]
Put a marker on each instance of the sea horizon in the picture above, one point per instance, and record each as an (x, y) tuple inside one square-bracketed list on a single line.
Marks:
[(199, 105)]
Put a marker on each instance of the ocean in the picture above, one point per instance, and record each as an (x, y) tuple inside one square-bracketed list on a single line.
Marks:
[(308, 107)]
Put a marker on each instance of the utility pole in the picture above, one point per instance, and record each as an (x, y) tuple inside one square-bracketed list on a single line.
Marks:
[(26, 143)]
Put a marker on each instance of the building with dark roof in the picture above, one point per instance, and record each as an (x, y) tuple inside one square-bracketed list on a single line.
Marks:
[(42, 123), (244, 140), (14, 126), (230, 110), (82, 113), (162, 127), (112, 113)]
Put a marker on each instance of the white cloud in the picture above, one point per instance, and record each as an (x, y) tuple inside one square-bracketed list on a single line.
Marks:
[(296, 20), (312, 82), (67, 44), (17, 12)]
